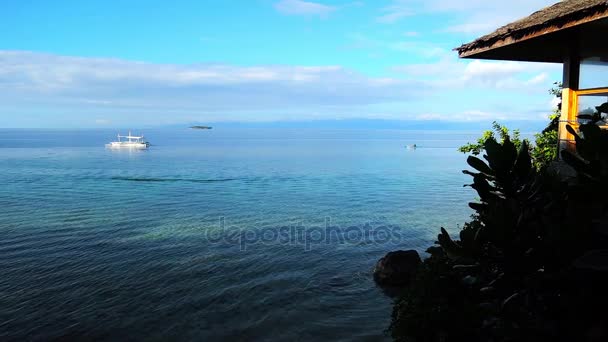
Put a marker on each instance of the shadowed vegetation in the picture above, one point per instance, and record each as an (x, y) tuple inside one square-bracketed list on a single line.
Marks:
[(531, 263)]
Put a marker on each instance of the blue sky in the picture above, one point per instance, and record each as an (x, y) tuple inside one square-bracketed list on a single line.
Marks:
[(119, 63)]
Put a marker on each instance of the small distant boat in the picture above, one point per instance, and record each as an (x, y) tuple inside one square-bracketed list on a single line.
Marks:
[(411, 147), (201, 127), (129, 141)]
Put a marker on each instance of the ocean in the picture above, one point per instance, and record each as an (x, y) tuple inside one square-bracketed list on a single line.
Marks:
[(222, 234)]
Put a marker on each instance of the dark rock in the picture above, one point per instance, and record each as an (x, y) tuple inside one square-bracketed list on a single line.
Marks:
[(397, 268), (597, 331), (595, 260), (465, 268), (488, 307), (469, 280), (498, 281), (490, 322), (435, 250), (512, 305), (488, 290)]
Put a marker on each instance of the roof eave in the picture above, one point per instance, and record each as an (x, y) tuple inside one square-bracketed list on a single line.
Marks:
[(473, 50)]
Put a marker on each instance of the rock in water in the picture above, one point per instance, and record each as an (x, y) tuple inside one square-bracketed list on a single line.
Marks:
[(397, 268)]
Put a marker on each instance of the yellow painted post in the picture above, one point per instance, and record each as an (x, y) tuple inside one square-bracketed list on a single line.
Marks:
[(570, 85), (568, 117)]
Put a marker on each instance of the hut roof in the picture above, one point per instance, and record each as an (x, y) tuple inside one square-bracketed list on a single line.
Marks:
[(562, 15)]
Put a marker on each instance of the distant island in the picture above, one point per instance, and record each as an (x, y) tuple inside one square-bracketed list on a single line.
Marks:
[(201, 127)]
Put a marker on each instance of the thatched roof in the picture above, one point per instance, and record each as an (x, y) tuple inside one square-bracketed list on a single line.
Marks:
[(560, 15)]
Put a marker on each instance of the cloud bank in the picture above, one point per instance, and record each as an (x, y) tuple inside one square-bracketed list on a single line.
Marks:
[(205, 91), (103, 90)]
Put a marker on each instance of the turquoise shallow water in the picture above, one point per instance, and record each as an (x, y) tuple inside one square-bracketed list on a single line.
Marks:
[(237, 234)]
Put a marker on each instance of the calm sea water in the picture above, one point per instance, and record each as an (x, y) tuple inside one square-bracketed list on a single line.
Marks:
[(223, 234)]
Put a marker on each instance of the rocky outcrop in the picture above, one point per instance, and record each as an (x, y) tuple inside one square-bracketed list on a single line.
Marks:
[(397, 268)]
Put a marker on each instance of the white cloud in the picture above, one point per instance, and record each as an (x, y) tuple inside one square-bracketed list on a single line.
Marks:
[(538, 79), (417, 47), (54, 73), (483, 90), (511, 7), (29, 79), (491, 70), (454, 72), (468, 116), (471, 17), (429, 116), (394, 13), (464, 116), (122, 91), (300, 7), (442, 68), (472, 26), (480, 115)]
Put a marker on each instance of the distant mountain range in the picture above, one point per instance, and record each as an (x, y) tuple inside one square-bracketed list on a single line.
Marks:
[(524, 126)]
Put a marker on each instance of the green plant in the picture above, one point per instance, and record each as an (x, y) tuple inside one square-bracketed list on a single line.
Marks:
[(546, 142), (591, 157), (545, 147), (506, 184), (511, 276), (498, 132)]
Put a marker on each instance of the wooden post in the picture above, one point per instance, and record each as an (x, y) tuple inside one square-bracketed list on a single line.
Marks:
[(569, 100)]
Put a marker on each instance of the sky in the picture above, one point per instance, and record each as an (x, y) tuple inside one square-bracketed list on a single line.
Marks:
[(124, 63)]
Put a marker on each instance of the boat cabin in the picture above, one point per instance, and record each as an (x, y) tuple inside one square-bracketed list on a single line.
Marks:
[(571, 32)]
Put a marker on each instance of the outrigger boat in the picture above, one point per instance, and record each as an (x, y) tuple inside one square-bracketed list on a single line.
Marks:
[(135, 142)]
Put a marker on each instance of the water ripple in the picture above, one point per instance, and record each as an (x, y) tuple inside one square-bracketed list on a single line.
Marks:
[(94, 248), (149, 179)]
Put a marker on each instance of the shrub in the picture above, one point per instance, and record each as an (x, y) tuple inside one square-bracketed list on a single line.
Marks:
[(545, 147), (516, 272)]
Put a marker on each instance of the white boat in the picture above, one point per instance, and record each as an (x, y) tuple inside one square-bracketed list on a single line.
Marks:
[(129, 141)]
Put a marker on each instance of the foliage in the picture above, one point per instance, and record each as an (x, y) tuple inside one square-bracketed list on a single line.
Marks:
[(511, 276), (497, 130), (591, 159), (546, 143), (544, 149)]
